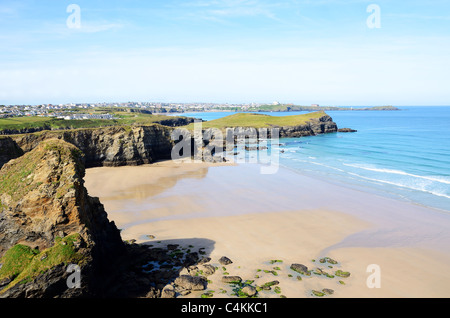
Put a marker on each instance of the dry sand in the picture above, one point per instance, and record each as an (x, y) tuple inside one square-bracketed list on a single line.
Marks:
[(235, 211)]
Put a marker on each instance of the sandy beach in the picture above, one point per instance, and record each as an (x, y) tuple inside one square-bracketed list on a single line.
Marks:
[(234, 211)]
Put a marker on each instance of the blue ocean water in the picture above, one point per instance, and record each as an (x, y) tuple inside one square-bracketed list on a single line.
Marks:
[(403, 154)]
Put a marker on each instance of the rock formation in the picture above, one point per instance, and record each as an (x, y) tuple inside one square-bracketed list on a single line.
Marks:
[(111, 146), (47, 221), (136, 145), (8, 150), (346, 130), (316, 126), (50, 226)]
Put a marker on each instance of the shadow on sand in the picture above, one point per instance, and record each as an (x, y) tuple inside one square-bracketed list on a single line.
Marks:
[(146, 269)]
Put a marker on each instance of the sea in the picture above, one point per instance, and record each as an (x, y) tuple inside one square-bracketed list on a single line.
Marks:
[(402, 154)]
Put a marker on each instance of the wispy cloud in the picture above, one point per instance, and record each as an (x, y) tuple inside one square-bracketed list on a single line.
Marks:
[(61, 29), (220, 10), (99, 27), (418, 16), (9, 9)]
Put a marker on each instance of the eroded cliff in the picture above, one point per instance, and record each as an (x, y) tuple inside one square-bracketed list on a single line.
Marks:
[(111, 146), (316, 126), (134, 145), (47, 221)]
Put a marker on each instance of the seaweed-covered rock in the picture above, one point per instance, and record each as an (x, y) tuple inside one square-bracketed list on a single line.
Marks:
[(249, 290), (328, 291), (341, 273), (207, 269), (328, 260), (300, 268)]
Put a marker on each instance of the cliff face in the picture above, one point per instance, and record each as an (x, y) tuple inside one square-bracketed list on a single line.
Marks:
[(8, 150), (314, 126), (135, 145), (111, 146), (48, 220), (322, 125)]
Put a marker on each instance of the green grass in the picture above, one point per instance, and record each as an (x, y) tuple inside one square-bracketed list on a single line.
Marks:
[(258, 120), (14, 181), (18, 178), (26, 122), (48, 123), (15, 260), (22, 264)]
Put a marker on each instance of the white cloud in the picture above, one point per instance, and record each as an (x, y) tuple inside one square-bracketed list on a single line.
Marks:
[(377, 74), (99, 27), (221, 9)]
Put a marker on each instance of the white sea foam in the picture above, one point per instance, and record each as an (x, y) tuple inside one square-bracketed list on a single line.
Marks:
[(327, 166), (402, 185), (441, 179)]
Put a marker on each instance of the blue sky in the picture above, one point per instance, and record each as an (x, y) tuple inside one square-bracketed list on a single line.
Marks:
[(299, 51)]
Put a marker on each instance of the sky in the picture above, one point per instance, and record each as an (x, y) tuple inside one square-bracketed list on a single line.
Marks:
[(327, 52)]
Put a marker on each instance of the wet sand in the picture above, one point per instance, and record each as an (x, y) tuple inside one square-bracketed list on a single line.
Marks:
[(234, 211)]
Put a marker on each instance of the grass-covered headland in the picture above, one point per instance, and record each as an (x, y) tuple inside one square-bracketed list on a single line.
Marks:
[(121, 118), (259, 120)]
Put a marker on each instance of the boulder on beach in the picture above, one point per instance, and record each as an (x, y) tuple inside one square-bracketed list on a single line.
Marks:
[(231, 279), (191, 282), (299, 268), (249, 291), (225, 260)]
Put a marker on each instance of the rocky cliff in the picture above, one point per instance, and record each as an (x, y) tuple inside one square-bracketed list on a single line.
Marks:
[(110, 146), (47, 221), (8, 150), (134, 145), (51, 229), (316, 126)]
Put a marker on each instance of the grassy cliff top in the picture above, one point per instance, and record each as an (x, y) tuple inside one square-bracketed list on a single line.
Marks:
[(20, 176), (48, 123), (259, 120)]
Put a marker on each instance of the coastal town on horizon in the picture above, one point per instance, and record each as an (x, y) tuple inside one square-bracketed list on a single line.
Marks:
[(52, 110)]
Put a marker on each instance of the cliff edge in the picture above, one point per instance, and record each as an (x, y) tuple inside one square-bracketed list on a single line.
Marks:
[(110, 146), (48, 221)]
